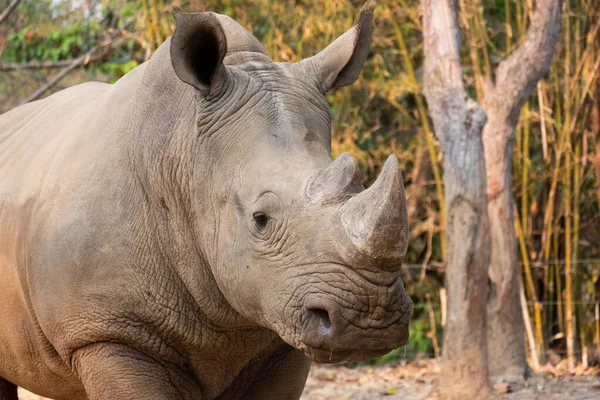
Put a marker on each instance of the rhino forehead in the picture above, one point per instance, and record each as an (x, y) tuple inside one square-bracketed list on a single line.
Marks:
[(270, 100)]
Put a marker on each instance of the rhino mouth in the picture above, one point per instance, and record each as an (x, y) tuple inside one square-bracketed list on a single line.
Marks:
[(329, 356), (333, 332)]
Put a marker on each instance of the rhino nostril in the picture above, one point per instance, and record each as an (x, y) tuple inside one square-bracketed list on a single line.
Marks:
[(321, 320)]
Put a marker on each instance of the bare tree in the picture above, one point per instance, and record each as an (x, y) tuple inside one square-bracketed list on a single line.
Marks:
[(460, 125), (516, 77), (475, 345), (459, 122)]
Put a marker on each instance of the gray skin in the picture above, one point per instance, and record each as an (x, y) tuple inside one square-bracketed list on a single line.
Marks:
[(185, 234)]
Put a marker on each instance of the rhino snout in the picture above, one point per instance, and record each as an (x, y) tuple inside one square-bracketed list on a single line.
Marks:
[(329, 337)]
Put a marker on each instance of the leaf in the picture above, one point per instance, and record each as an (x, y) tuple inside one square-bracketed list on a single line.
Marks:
[(392, 390), (128, 66)]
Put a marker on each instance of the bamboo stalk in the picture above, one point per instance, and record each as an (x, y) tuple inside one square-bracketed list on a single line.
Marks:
[(148, 25), (432, 331), (519, 17), (559, 150), (507, 26), (527, 320), (416, 21), (525, 169), (537, 306), (470, 33), (597, 323), (548, 293), (540, 93), (156, 26), (481, 28), (568, 296), (443, 306), (577, 171), (580, 308), (428, 134), (582, 336), (559, 291)]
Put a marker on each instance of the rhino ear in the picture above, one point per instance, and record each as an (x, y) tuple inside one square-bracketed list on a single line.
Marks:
[(198, 47), (339, 64)]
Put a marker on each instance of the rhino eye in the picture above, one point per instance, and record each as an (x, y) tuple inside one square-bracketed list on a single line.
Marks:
[(260, 219)]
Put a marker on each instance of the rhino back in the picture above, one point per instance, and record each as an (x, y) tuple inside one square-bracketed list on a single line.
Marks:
[(63, 187), (88, 258)]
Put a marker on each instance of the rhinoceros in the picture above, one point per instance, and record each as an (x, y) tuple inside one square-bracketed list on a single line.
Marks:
[(185, 234)]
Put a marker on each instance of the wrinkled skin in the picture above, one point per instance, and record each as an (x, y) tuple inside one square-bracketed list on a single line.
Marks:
[(184, 234)]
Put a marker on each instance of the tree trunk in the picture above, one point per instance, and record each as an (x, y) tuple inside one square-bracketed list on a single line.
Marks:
[(506, 347), (516, 78), (458, 123)]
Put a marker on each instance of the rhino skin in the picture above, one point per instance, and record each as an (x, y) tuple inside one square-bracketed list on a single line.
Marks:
[(185, 233)]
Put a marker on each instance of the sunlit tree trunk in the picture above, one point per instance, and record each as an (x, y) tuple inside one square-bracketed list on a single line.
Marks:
[(516, 77), (458, 122)]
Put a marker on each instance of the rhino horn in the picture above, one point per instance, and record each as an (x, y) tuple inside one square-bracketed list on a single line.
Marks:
[(338, 182), (376, 219)]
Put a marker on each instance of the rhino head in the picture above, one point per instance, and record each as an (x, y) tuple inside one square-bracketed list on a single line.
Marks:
[(293, 240)]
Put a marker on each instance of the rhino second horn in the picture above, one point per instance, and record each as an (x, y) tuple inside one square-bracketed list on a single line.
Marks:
[(338, 182), (376, 220)]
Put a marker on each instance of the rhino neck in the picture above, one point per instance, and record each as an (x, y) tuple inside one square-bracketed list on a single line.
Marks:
[(163, 149)]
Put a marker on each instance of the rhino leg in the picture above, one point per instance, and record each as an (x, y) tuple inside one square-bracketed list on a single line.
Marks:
[(8, 391), (280, 376), (113, 371)]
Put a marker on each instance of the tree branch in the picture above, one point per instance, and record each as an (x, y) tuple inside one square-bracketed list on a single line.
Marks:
[(443, 81), (517, 76), (442, 48), (39, 64), (8, 10), (83, 59)]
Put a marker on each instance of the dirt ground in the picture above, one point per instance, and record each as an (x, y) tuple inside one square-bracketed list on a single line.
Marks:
[(416, 381)]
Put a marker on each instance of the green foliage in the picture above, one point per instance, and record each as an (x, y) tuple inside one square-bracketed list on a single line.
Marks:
[(115, 70), (70, 42)]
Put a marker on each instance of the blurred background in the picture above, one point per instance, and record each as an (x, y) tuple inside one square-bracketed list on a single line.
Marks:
[(47, 45)]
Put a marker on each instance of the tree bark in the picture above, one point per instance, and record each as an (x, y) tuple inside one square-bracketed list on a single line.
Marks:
[(458, 124), (516, 77)]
